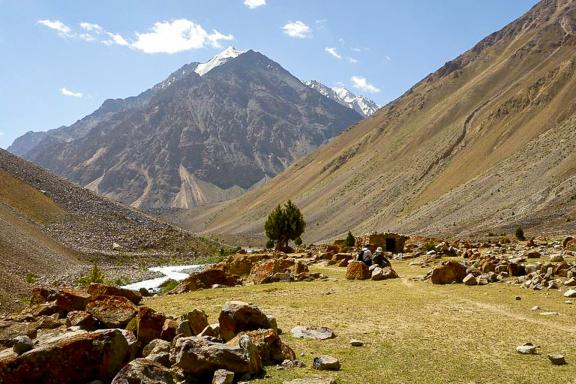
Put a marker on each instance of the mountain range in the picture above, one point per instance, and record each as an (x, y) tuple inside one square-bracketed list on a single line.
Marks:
[(343, 96), (480, 146), (208, 133)]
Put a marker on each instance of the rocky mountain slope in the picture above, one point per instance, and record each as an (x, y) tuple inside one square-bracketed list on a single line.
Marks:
[(208, 133), (49, 225), (360, 104), (483, 144)]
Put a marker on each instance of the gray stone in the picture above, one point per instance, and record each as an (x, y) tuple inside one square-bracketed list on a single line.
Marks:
[(570, 293), (312, 380), (22, 344), (470, 279), (312, 332), (356, 343), (557, 359), (144, 371), (326, 363), (526, 349)]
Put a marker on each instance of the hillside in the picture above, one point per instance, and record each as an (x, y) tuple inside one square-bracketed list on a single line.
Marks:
[(483, 144), (49, 226), (208, 133)]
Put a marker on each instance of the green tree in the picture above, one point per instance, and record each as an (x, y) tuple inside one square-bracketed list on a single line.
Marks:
[(298, 241), (284, 223), (520, 233), (350, 240)]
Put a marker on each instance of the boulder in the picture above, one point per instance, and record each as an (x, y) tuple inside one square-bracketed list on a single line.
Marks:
[(41, 295), (22, 344), (449, 272), (206, 279), (326, 363), (9, 330), (144, 371), (241, 265), (516, 269), (112, 311), (200, 357), (169, 329), (270, 347), (197, 319), (470, 279), (222, 376), (80, 358), (149, 325), (68, 300), (357, 270), (212, 330), (556, 258), (569, 243), (238, 316), (356, 343), (312, 332), (156, 346), (557, 359), (526, 349), (82, 319), (96, 290), (272, 271)]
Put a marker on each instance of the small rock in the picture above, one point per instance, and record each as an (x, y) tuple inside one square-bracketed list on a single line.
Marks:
[(313, 332), (312, 380), (470, 279), (326, 363), (356, 343), (568, 302), (22, 344), (517, 298), (570, 293), (526, 349), (557, 359), (535, 308), (222, 376), (570, 282), (291, 364)]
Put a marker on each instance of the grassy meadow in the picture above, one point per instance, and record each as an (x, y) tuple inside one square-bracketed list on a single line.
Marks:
[(414, 332)]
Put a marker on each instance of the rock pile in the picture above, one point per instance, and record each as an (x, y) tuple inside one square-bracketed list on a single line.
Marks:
[(153, 347)]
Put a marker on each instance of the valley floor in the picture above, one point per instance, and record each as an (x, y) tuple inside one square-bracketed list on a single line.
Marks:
[(414, 332)]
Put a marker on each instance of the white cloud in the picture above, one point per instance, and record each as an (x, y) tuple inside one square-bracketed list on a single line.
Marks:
[(177, 36), (1, 133), (254, 3), (67, 92), (297, 29), (333, 52), (115, 38), (92, 27), (164, 36), (58, 26), (362, 84), (352, 60)]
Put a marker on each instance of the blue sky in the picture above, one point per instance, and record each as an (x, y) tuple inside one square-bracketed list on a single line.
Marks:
[(61, 59)]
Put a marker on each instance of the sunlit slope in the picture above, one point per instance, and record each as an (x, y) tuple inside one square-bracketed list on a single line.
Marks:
[(484, 143)]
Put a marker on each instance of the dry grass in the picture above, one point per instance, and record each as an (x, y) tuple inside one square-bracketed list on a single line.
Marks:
[(414, 332)]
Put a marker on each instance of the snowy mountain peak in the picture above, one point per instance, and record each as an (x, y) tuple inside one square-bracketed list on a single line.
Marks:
[(221, 58), (360, 104)]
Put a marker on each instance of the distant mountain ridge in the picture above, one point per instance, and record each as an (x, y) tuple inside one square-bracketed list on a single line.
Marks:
[(343, 96), (208, 133), (480, 146)]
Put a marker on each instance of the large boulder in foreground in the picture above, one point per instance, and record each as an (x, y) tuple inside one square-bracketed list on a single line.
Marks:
[(200, 357), (112, 311), (144, 371), (238, 316), (96, 290), (206, 279), (448, 273), (357, 270), (80, 358)]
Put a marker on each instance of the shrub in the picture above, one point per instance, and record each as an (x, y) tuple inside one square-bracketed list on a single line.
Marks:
[(95, 276), (270, 244), (31, 278), (298, 241), (520, 233), (350, 240)]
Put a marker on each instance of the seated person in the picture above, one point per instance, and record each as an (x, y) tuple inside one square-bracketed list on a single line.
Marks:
[(379, 259)]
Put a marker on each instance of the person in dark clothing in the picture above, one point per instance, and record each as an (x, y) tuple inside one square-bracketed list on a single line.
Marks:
[(365, 255), (379, 259)]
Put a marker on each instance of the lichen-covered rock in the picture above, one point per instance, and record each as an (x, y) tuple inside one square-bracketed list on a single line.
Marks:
[(80, 358), (206, 279), (112, 311), (269, 345), (96, 290), (149, 325), (357, 270), (144, 371)]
